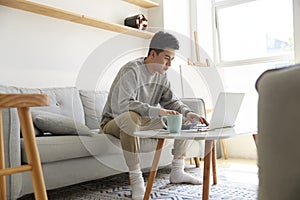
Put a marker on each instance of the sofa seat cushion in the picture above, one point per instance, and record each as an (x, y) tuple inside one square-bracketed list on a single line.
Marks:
[(58, 148)]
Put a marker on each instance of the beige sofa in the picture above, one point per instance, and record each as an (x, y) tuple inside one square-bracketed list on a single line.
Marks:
[(70, 155), (278, 134)]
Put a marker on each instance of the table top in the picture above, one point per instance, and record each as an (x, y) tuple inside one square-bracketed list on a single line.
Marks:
[(214, 134)]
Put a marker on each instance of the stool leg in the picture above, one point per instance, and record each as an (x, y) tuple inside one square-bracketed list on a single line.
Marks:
[(32, 153), (197, 162), (2, 160), (224, 149), (191, 161), (254, 138)]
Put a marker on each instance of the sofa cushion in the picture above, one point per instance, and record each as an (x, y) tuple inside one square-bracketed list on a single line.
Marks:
[(93, 103), (58, 148), (58, 124), (63, 100), (8, 89), (37, 131)]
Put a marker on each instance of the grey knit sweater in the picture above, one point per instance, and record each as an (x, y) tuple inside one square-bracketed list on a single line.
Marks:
[(135, 89)]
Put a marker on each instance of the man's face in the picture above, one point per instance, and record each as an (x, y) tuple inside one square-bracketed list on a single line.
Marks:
[(162, 61)]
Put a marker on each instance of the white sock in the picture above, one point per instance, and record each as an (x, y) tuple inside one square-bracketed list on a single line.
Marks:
[(178, 175), (137, 184)]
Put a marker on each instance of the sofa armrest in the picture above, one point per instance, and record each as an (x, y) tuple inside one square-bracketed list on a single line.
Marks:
[(278, 133), (11, 130)]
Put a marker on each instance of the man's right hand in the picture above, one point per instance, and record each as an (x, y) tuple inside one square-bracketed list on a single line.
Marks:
[(164, 112)]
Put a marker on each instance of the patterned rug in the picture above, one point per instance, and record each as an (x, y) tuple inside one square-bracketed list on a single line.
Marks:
[(116, 187)]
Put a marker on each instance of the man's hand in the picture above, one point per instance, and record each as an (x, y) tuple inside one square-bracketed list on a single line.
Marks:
[(193, 117), (164, 112)]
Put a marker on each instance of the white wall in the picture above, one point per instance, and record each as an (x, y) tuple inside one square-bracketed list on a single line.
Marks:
[(39, 51)]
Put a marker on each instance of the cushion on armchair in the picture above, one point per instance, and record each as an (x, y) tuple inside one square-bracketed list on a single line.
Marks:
[(58, 124), (196, 104)]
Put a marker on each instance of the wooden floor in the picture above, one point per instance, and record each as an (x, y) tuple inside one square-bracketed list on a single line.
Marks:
[(240, 170), (236, 170), (233, 162)]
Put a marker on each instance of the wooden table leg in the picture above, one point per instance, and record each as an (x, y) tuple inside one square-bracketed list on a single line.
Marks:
[(32, 154), (153, 171), (206, 172), (2, 160), (214, 163)]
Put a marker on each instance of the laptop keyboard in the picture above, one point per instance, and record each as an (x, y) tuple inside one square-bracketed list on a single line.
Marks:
[(193, 126)]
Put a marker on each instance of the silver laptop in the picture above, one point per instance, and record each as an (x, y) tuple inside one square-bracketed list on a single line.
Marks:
[(225, 111)]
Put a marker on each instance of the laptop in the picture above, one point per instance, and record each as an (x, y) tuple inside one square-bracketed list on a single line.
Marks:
[(224, 113)]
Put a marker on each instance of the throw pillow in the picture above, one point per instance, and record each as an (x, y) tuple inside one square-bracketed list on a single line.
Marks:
[(58, 124), (93, 103)]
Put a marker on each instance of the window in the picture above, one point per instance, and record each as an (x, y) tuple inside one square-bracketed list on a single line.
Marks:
[(253, 31), (248, 37)]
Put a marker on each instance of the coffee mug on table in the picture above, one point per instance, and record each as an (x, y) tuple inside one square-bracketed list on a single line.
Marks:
[(174, 122)]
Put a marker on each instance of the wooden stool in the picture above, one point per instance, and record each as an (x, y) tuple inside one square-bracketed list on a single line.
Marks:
[(22, 102)]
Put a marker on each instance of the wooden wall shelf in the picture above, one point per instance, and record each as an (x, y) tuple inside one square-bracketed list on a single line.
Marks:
[(74, 17), (143, 3)]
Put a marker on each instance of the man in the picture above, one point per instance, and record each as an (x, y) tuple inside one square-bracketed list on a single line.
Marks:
[(139, 87)]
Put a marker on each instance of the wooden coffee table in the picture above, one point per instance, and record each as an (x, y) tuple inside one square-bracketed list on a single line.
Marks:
[(208, 136)]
